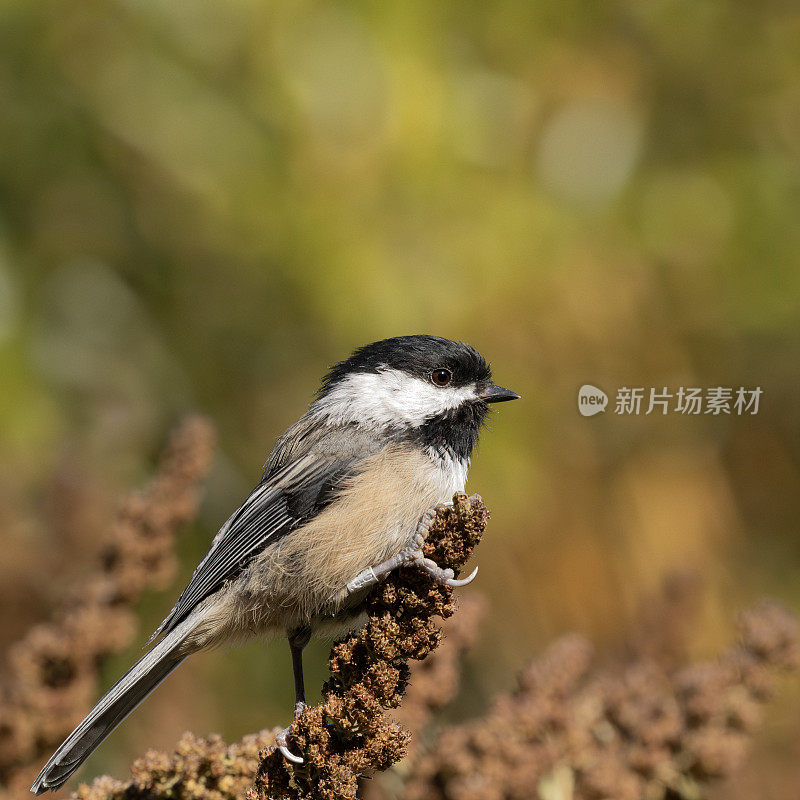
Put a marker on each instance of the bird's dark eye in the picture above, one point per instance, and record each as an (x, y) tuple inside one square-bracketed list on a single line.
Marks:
[(441, 377)]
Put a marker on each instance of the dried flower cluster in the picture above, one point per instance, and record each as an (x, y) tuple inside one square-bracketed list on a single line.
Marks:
[(197, 768), (637, 731), (51, 673), (433, 685), (435, 681)]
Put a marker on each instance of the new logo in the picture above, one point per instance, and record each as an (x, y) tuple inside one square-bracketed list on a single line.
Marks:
[(591, 400)]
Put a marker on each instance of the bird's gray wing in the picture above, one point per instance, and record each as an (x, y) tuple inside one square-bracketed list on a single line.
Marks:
[(289, 496)]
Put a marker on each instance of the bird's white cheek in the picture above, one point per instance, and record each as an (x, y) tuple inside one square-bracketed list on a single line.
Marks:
[(387, 398)]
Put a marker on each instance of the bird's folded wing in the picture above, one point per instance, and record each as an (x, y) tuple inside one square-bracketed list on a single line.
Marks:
[(269, 512)]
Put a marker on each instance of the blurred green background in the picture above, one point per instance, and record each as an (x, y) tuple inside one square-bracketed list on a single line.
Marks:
[(205, 204)]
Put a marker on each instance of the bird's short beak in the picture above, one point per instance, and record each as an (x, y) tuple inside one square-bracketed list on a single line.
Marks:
[(497, 394)]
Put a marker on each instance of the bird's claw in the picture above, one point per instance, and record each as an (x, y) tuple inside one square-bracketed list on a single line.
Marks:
[(411, 555), (284, 750), (463, 581), (282, 739), (444, 576), (415, 555)]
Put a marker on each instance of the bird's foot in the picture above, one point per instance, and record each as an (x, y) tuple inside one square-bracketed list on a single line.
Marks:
[(282, 738), (411, 555)]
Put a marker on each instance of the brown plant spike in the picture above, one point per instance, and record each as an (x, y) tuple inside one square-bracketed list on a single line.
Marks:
[(434, 682), (638, 731), (51, 674), (202, 769), (348, 735), (433, 685)]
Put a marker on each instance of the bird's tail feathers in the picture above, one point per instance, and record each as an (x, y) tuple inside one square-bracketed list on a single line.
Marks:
[(122, 698)]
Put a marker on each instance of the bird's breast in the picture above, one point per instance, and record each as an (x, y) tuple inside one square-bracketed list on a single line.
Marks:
[(371, 518)]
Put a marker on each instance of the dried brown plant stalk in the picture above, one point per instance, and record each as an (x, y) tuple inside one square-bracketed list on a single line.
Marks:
[(51, 674), (208, 769), (640, 731)]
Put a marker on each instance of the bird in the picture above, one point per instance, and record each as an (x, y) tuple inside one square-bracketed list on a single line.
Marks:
[(346, 496)]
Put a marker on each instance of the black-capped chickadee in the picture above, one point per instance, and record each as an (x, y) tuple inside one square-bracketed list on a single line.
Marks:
[(345, 498)]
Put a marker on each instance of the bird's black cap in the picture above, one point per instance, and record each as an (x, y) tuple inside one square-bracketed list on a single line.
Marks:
[(416, 355)]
